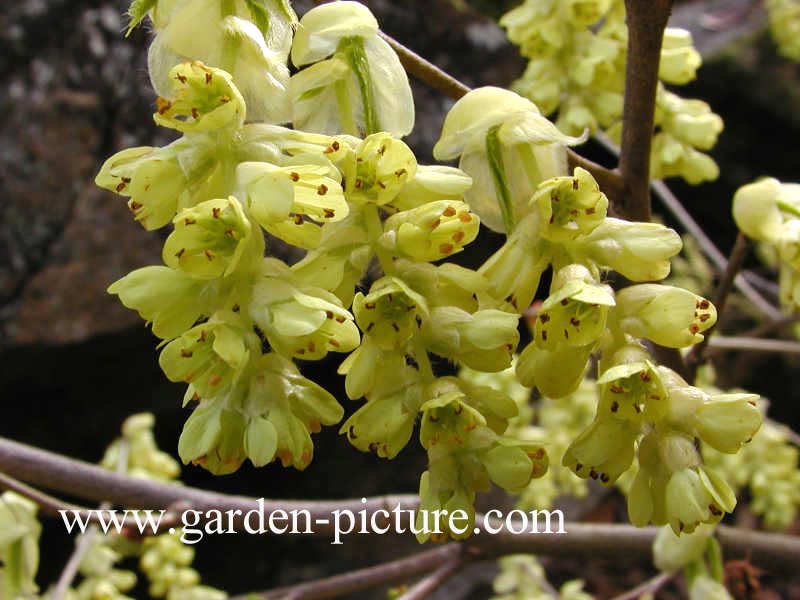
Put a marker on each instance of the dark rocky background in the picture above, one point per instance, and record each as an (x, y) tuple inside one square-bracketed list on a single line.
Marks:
[(74, 363)]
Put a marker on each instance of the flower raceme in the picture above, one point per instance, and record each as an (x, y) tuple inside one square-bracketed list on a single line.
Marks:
[(236, 322)]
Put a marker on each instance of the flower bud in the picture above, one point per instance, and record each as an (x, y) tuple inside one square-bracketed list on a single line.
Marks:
[(756, 211), (704, 587), (726, 421), (509, 466), (556, 373), (260, 441), (669, 316), (689, 121), (431, 183), (638, 251), (484, 340), (679, 60), (516, 268), (673, 552)]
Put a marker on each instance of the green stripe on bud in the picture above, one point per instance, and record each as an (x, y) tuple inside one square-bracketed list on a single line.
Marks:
[(495, 157), (353, 50)]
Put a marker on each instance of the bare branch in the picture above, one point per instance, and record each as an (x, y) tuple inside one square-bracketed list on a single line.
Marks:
[(695, 357), (651, 586), (48, 505), (751, 344), (362, 579), (46, 469), (646, 22), (425, 587)]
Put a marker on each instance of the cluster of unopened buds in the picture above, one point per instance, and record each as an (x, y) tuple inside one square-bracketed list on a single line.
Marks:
[(343, 187), (768, 211), (577, 50)]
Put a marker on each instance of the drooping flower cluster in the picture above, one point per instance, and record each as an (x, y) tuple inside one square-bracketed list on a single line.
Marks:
[(784, 21), (234, 321), (564, 225), (577, 52), (768, 211)]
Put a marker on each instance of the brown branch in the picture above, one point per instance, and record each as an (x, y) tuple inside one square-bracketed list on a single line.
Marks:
[(772, 326), (46, 469), (646, 22), (426, 71), (695, 357), (751, 344), (651, 586), (426, 586), (362, 579), (48, 505), (52, 471)]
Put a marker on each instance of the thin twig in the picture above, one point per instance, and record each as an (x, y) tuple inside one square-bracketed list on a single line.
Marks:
[(695, 357), (750, 344), (671, 202), (791, 435), (646, 21), (48, 505), (427, 585), (424, 70), (87, 539), (52, 471), (772, 326), (746, 282), (363, 579), (651, 586)]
